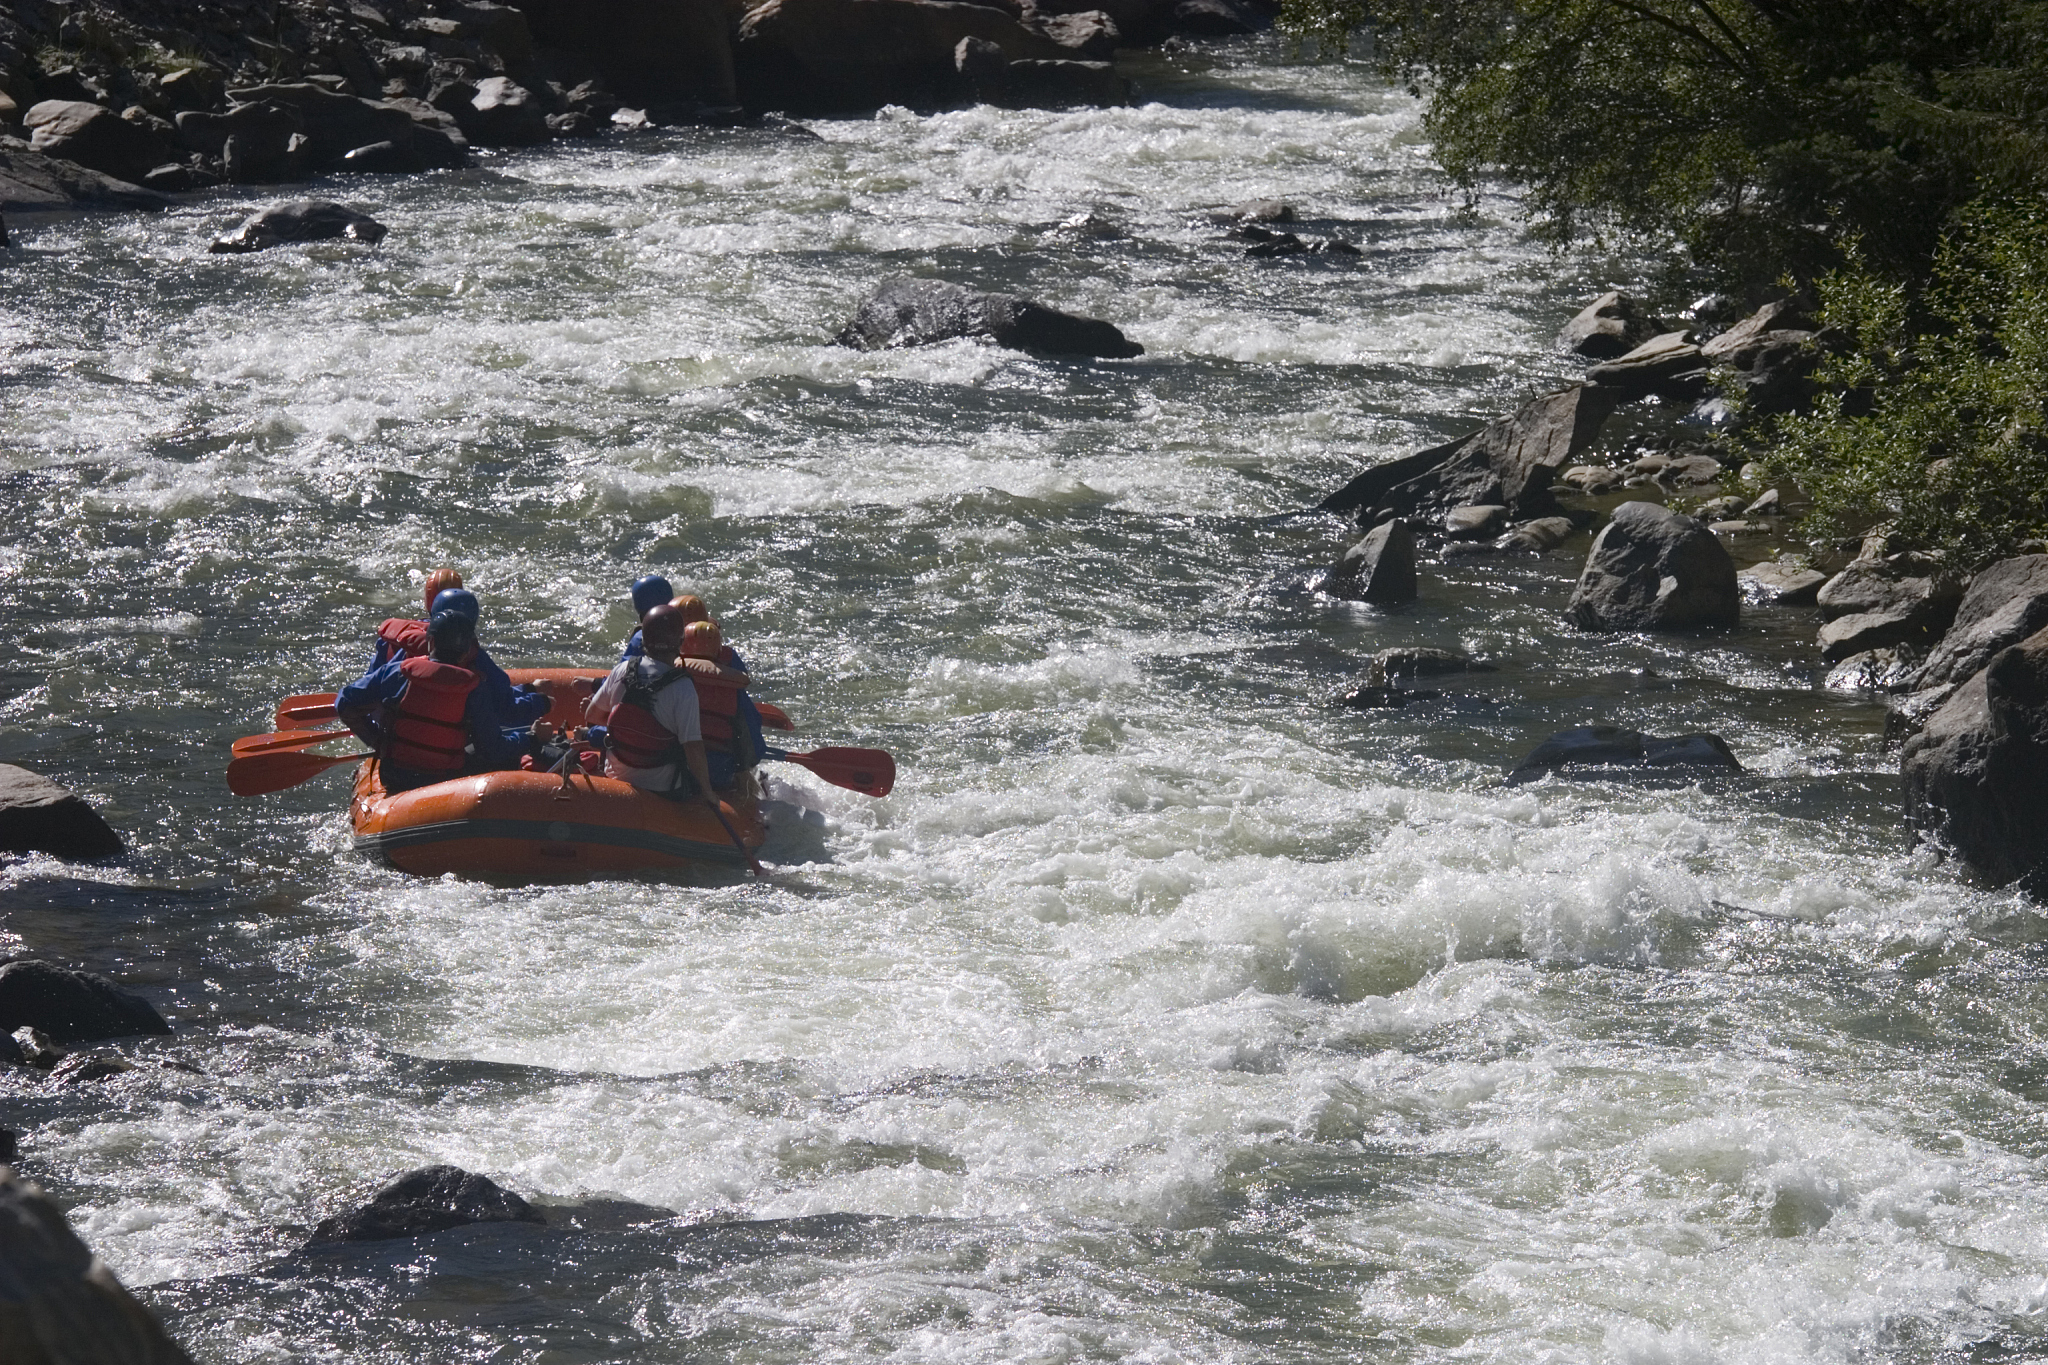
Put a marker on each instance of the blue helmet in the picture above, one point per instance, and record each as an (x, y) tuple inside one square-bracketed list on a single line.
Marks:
[(451, 626), (650, 592), (461, 601)]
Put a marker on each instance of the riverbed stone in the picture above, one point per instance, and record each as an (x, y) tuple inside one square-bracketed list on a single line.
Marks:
[(95, 137), (2005, 604), (302, 220), (72, 1006), (1976, 777), (911, 312), (1379, 569), (1874, 605), (83, 1068), (504, 113), (1539, 536), (1782, 585), (333, 123), (1596, 747), (1874, 670), (59, 1304), (1607, 328), (1654, 569), (1656, 366), (430, 1199), (1475, 523), (38, 816), (1725, 347), (840, 56), (1391, 666)]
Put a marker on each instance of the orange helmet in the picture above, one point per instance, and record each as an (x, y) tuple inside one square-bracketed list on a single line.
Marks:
[(701, 640), (438, 582), (692, 608)]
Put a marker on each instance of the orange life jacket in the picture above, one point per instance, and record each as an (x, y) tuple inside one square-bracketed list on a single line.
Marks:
[(428, 729), (718, 712), (408, 639), (632, 733)]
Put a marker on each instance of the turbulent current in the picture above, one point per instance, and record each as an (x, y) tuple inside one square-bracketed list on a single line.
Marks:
[(1165, 1012)]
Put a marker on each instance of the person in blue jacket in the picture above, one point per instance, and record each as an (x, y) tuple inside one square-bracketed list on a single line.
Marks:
[(649, 592), (518, 705), (431, 717)]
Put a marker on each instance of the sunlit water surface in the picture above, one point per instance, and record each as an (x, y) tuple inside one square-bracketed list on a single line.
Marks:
[(1165, 1012)]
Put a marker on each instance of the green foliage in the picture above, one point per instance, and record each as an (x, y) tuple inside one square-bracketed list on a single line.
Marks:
[(1757, 133), (1934, 414)]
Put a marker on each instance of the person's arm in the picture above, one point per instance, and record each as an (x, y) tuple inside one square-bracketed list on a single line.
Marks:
[(633, 650), (605, 698), (693, 759), (354, 704), (713, 672)]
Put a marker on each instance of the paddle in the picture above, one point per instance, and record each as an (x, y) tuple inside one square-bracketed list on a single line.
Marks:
[(284, 739), (773, 716), (260, 773), (311, 712), (734, 835), (872, 772)]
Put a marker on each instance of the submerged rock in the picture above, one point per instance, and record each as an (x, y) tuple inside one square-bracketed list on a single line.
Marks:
[(910, 312), (38, 816), (59, 1304), (1976, 777), (1652, 569), (1611, 746), (1419, 661), (302, 220), (430, 1199), (72, 1006), (1379, 569)]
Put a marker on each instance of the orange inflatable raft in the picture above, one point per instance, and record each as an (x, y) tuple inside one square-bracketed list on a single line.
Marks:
[(520, 826)]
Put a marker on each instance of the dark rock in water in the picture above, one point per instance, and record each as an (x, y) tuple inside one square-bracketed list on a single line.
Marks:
[(2006, 603), (175, 177), (95, 137), (1874, 670), (1537, 537), (1875, 605), (1063, 84), (1379, 569), (1219, 19), (10, 1146), (1720, 509), (1255, 211), (257, 144), (504, 113), (1783, 585), (908, 312), (11, 1054), (33, 183), (1419, 661), (81, 1067), (1475, 523), (675, 51), (1976, 777), (574, 124), (1381, 698), (38, 816), (332, 123), (302, 220), (1608, 327), (72, 1006), (59, 1304), (1091, 35), (1653, 569), (430, 1199), (1512, 462), (1610, 746), (37, 1048)]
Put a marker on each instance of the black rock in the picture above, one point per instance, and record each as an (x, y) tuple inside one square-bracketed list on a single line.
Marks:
[(81, 1067), (1379, 569), (1420, 661), (38, 816), (430, 1199), (910, 312), (1652, 569), (1611, 746), (72, 1006), (10, 1147), (503, 113), (302, 220)]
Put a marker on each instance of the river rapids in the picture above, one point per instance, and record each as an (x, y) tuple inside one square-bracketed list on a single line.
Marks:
[(1165, 1012)]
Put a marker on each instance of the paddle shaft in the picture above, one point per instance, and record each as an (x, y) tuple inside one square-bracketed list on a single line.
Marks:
[(734, 835)]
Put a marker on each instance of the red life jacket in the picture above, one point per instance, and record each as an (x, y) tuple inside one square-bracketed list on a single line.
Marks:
[(407, 639), (632, 733), (718, 712), (427, 729)]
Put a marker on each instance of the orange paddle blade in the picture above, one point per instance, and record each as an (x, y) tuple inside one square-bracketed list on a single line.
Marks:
[(284, 739), (871, 772), (773, 716), (312, 713), (256, 774)]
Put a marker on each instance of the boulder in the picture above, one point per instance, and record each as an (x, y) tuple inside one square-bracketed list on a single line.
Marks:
[(1592, 479), (38, 816), (1871, 605), (1606, 328), (302, 220), (95, 137), (198, 86), (1475, 523), (430, 1199), (332, 123), (839, 56), (676, 52), (1390, 666), (1379, 569), (1090, 35), (499, 28), (1976, 777), (1782, 585), (2006, 603), (1668, 365), (258, 144), (84, 1067), (1219, 19), (1779, 375), (1652, 569), (911, 312), (1874, 670), (1612, 747), (72, 1006), (504, 113), (59, 1304), (1781, 315), (1537, 537), (1064, 85), (1512, 462)]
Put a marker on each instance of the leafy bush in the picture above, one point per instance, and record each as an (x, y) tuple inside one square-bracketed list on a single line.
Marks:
[(1933, 418)]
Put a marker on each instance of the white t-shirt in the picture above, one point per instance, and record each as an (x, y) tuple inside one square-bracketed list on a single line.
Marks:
[(675, 708)]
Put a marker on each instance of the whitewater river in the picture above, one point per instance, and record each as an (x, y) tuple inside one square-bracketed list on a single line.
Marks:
[(1165, 1012)]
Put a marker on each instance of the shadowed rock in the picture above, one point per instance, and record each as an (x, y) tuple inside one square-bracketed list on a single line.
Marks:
[(430, 1199), (1379, 569), (2006, 604), (38, 816), (33, 183), (1873, 605), (1652, 569), (909, 312), (1419, 661), (1612, 747), (95, 137), (59, 1304), (1607, 327), (72, 1006), (303, 220)]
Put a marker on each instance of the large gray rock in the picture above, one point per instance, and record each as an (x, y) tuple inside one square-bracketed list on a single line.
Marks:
[(1725, 348), (1783, 585), (504, 113), (33, 183), (907, 312), (1379, 569), (1666, 364), (59, 1304), (302, 220), (72, 1006), (1608, 327), (1652, 569), (38, 816), (258, 144), (1873, 605), (430, 1199), (2005, 604), (95, 137), (1597, 747), (1976, 778), (334, 125), (1510, 463)]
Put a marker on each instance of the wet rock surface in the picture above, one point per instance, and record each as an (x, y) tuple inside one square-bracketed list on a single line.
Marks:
[(1607, 328), (430, 1199), (1379, 569), (1654, 569), (1420, 661), (2004, 605), (38, 816), (72, 1006), (1596, 747), (303, 220), (1878, 605), (910, 312)]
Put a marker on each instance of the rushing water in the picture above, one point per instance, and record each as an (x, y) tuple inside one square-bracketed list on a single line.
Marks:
[(1164, 1012)]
